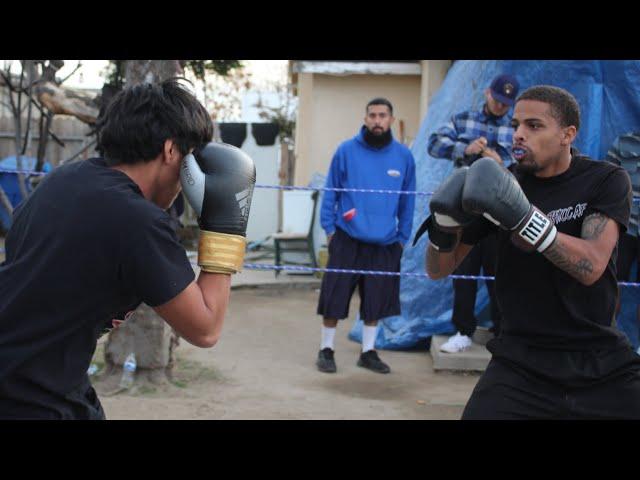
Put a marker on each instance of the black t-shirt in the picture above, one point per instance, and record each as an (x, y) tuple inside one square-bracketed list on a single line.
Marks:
[(552, 325), (85, 248)]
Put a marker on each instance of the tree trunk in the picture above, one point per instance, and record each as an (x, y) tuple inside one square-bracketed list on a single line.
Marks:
[(5, 202), (45, 125), (17, 118), (146, 334), (151, 71)]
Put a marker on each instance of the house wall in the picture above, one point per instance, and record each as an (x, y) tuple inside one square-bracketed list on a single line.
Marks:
[(332, 108)]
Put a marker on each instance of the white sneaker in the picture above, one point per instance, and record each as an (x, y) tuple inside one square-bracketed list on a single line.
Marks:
[(457, 343)]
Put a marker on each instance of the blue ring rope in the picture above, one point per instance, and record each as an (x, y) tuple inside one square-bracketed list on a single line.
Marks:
[(290, 187)]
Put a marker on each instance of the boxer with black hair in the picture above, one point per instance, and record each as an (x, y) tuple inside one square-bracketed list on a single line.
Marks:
[(558, 215), (94, 240)]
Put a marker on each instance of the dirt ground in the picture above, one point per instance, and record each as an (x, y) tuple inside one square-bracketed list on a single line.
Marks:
[(264, 368)]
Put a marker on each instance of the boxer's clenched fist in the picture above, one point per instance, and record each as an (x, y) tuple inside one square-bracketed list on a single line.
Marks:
[(447, 215), (218, 181), (492, 191)]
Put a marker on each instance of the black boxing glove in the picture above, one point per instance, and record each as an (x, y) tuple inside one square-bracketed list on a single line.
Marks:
[(447, 215), (493, 192), (218, 181)]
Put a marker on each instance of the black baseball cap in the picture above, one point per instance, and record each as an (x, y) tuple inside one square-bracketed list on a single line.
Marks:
[(504, 89)]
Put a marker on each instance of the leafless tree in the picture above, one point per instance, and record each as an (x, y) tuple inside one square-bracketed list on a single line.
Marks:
[(35, 86), (37, 90)]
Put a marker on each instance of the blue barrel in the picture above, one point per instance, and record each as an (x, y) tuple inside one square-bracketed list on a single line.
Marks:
[(9, 183)]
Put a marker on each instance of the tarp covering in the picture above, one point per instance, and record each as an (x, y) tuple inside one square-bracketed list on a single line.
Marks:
[(609, 96)]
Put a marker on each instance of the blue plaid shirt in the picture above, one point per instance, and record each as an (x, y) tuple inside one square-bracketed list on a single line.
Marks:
[(451, 140)]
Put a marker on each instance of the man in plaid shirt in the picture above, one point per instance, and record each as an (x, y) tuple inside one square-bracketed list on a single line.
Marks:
[(625, 151), (467, 137)]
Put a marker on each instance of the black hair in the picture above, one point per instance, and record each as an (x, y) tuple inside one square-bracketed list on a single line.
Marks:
[(564, 107), (141, 118), (380, 101)]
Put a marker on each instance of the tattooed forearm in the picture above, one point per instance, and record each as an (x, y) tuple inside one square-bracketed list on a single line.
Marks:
[(593, 226), (576, 266), (585, 258)]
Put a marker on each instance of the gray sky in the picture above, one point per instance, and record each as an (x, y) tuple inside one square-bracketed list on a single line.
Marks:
[(263, 72)]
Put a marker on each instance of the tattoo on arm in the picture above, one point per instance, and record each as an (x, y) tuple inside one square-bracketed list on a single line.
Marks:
[(579, 268), (576, 266), (593, 226)]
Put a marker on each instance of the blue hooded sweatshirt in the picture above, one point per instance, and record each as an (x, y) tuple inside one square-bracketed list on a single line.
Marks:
[(380, 218)]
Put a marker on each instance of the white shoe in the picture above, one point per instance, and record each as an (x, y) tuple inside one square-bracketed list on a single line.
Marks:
[(457, 343)]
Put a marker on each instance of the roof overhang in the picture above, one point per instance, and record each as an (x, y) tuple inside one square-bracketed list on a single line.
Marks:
[(358, 68)]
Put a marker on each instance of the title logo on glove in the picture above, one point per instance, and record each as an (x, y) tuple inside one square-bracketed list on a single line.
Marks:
[(535, 227)]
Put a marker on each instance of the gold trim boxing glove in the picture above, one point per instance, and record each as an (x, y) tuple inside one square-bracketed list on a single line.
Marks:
[(221, 252)]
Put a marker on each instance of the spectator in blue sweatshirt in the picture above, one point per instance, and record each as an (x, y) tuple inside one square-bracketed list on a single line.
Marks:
[(365, 231)]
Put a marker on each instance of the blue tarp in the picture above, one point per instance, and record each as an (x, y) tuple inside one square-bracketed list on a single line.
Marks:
[(609, 96), (9, 182)]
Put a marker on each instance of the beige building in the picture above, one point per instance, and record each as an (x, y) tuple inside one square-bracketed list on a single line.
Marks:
[(332, 96)]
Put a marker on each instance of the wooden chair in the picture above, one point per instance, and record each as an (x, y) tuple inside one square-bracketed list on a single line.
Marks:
[(297, 241)]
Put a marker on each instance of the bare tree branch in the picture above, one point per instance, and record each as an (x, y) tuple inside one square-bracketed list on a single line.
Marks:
[(10, 86), (43, 140), (4, 201), (82, 150), (31, 75), (67, 102), (68, 76), (7, 80), (18, 137), (42, 112)]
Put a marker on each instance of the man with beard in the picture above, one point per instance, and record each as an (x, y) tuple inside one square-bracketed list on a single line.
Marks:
[(558, 217), (365, 231), (467, 137)]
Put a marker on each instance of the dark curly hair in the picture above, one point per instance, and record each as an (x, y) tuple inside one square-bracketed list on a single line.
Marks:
[(564, 107), (141, 118), (380, 101)]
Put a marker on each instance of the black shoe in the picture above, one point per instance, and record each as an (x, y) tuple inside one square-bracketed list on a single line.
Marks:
[(325, 361), (371, 361)]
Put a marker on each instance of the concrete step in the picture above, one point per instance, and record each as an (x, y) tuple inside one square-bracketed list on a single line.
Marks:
[(482, 335), (475, 358)]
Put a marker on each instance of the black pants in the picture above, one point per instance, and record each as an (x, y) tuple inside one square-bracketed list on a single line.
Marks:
[(379, 294), (483, 255), (504, 393)]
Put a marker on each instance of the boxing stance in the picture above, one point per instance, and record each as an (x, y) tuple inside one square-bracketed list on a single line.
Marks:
[(93, 241), (559, 215)]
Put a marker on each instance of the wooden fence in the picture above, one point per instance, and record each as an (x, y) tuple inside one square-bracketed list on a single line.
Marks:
[(71, 131)]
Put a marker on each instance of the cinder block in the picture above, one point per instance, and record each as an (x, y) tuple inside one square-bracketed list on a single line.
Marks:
[(482, 335), (475, 358)]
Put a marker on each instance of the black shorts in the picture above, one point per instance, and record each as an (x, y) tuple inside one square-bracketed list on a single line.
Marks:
[(379, 294), (504, 393), (627, 254)]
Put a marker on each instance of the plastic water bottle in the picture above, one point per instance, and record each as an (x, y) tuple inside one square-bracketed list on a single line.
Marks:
[(128, 371)]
